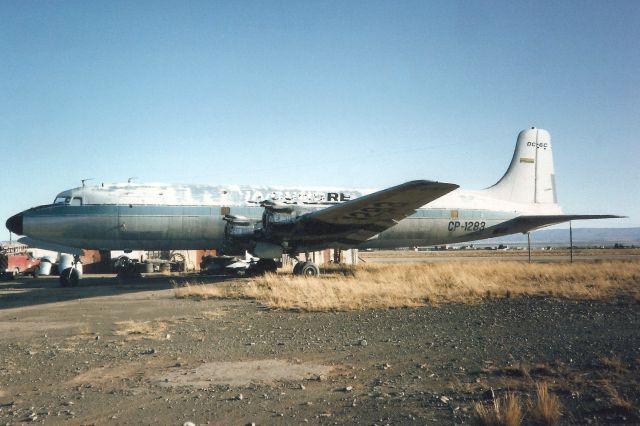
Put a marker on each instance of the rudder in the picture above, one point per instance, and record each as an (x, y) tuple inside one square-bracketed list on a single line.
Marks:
[(530, 178)]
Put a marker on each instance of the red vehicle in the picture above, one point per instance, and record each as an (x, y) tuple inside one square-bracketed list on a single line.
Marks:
[(12, 265)]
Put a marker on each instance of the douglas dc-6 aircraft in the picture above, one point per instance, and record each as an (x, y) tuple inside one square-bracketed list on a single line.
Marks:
[(269, 222)]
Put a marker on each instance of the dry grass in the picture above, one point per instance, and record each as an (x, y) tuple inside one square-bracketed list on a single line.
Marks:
[(141, 329), (545, 409), (542, 409), (202, 291), (618, 401), (213, 314), (607, 390), (505, 411), (614, 365), (520, 369), (408, 285)]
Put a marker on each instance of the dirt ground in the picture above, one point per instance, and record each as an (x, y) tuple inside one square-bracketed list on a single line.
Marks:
[(134, 354)]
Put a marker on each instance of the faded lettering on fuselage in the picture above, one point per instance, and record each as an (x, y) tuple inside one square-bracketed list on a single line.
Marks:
[(297, 197)]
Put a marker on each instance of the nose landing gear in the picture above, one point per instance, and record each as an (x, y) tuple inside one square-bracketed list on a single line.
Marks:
[(69, 277), (71, 271)]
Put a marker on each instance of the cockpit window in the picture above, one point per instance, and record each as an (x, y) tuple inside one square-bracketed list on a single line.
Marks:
[(76, 201), (62, 200)]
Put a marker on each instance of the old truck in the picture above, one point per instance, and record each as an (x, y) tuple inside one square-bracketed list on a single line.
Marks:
[(13, 264)]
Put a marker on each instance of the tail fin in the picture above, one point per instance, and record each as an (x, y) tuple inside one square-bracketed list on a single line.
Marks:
[(530, 177)]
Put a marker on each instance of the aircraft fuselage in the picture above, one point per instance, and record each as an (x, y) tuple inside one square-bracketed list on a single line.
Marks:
[(268, 222), (133, 217)]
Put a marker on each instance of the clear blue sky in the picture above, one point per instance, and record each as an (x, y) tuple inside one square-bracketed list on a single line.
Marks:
[(350, 94)]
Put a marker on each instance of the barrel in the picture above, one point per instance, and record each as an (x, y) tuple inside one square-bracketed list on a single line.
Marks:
[(66, 261), (45, 266), (144, 267)]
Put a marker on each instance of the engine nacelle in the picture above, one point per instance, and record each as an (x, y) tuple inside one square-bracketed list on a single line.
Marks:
[(238, 234), (278, 221)]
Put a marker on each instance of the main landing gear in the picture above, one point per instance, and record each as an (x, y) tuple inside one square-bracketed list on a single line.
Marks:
[(308, 269), (69, 277), (126, 269)]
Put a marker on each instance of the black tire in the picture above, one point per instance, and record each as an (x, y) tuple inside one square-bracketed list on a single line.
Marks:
[(69, 277), (35, 273), (298, 267), (310, 269)]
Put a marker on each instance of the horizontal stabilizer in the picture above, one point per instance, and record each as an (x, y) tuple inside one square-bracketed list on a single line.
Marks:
[(528, 223)]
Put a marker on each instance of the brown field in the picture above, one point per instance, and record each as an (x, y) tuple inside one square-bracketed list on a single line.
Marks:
[(493, 344), (373, 286)]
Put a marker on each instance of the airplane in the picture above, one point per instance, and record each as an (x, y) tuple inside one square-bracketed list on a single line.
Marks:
[(268, 222)]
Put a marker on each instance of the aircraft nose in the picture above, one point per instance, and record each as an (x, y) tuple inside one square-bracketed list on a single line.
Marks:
[(14, 224)]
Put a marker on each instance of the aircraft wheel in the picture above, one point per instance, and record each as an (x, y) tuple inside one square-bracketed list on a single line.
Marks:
[(297, 268), (69, 277), (310, 269)]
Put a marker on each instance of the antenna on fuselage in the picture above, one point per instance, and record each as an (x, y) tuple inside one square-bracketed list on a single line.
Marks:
[(84, 180), (131, 179)]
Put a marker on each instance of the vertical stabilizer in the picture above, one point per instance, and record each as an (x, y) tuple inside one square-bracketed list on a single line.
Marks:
[(530, 177)]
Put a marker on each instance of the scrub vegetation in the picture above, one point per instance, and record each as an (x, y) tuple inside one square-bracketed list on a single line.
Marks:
[(505, 411), (531, 394), (543, 408), (378, 286)]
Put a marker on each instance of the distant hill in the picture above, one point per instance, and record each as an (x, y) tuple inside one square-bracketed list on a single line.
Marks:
[(581, 237)]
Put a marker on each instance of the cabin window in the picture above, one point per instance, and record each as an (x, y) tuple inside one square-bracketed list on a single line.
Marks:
[(454, 214), (225, 211), (76, 201), (62, 200)]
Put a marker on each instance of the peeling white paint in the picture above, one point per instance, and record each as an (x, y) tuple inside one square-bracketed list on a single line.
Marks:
[(205, 195)]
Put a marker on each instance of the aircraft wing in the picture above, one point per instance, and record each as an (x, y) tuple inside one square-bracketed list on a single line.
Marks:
[(528, 223), (358, 220)]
